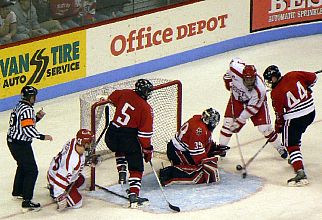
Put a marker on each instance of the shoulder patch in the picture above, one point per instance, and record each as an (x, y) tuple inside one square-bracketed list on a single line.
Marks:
[(199, 131)]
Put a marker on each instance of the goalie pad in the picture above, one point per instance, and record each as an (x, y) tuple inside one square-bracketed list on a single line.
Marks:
[(210, 170), (206, 172)]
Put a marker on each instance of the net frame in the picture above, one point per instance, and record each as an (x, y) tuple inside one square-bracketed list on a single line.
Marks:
[(161, 89)]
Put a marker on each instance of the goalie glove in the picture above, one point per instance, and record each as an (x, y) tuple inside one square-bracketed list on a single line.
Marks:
[(147, 153), (217, 149), (61, 202)]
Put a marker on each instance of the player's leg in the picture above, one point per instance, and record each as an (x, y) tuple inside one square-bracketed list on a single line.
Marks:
[(30, 172), (136, 168), (177, 157), (263, 123), (292, 135), (74, 198), (121, 165), (225, 132), (17, 190)]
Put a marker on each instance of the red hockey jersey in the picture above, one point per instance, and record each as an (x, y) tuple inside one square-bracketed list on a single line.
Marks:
[(291, 98), (195, 137), (132, 111)]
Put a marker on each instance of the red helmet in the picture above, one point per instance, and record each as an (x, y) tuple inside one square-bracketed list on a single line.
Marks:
[(249, 71), (84, 136)]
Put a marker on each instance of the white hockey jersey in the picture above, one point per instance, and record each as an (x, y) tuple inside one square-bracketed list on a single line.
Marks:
[(65, 168), (253, 99)]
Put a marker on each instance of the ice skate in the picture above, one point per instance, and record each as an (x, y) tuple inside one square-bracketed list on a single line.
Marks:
[(28, 205), (299, 180), (136, 202)]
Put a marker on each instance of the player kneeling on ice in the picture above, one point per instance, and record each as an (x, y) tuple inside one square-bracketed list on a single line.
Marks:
[(192, 152), (65, 172)]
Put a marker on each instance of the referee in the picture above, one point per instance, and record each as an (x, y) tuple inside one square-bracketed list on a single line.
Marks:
[(19, 138)]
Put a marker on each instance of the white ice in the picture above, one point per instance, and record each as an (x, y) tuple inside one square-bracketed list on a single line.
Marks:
[(202, 88)]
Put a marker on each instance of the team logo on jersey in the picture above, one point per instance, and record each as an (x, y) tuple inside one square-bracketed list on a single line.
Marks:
[(199, 131)]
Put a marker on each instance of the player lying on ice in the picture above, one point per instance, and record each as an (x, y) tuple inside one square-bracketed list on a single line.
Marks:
[(192, 152), (65, 172)]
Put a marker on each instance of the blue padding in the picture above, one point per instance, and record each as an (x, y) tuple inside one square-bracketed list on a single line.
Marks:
[(169, 61)]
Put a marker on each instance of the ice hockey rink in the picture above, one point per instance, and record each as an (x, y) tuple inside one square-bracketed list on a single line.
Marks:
[(203, 87)]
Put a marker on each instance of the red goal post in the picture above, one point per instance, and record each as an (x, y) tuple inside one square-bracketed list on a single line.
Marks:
[(166, 102)]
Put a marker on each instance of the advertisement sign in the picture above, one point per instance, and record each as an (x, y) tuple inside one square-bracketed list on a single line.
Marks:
[(166, 33), (267, 14), (42, 63)]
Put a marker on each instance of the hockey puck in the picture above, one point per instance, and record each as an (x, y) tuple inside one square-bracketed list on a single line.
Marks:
[(239, 167)]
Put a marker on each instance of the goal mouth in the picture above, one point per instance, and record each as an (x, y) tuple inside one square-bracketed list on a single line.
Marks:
[(166, 102)]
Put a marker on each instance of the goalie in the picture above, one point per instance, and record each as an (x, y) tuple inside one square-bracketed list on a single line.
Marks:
[(192, 152)]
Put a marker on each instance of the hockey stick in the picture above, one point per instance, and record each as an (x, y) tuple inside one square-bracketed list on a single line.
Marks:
[(91, 152), (253, 157), (244, 171), (174, 208), (111, 192)]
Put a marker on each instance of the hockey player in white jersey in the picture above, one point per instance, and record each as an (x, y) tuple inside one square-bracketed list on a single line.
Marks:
[(248, 101), (65, 172)]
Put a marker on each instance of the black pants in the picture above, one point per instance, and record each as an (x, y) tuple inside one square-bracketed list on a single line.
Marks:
[(125, 140), (294, 128), (27, 170), (178, 157)]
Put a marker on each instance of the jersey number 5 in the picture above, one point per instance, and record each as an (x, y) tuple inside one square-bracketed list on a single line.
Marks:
[(125, 120), (292, 100)]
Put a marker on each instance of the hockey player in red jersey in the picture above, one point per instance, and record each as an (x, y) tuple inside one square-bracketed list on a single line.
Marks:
[(192, 152), (129, 135), (65, 171), (294, 109), (248, 100)]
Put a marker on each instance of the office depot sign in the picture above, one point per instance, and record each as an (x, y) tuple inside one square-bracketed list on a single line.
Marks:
[(145, 37), (275, 13)]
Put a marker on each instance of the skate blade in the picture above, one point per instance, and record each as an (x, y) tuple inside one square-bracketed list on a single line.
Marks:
[(24, 210), (300, 183)]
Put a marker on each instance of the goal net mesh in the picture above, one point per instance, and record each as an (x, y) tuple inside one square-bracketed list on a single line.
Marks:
[(165, 101)]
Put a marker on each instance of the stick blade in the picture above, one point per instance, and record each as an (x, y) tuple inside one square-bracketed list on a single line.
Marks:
[(174, 208)]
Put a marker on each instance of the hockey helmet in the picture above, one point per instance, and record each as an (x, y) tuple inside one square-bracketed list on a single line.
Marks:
[(143, 88), (271, 71), (211, 118), (249, 76), (84, 136), (27, 92)]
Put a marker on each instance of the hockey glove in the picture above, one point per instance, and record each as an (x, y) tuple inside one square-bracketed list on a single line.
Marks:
[(218, 150), (61, 202), (237, 125), (278, 127), (147, 153)]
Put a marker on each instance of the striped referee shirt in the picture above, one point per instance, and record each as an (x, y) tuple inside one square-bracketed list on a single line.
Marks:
[(23, 123)]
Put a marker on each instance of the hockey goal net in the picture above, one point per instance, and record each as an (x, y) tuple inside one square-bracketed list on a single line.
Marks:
[(166, 102)]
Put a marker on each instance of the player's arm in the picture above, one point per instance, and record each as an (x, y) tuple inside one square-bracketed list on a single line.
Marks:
[(28, 125), (145, 132), (227, 80), (277, 103)]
